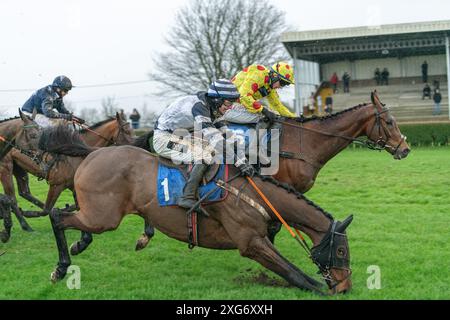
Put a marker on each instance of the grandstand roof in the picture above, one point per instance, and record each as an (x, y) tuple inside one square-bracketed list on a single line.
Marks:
[(393, 40)]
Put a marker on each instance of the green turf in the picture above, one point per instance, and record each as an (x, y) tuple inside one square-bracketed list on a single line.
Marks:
[(401, 224)]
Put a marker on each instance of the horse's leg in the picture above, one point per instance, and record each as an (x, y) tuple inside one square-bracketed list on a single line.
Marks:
[(8, 188), (272, 230), (52, 196), (261, 250), (107, 217), (148, 234), (61, 242), (86, 237), (74, 206), (24, 187), (5, 211), (250, 238), (82, 244)]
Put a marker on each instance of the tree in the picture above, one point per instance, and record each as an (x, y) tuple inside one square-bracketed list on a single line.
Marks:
[(216, 39), (109, 106), (91, 115)]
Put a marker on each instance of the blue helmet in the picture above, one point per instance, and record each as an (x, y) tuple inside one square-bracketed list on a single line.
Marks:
[(223, 89), (62, 82)]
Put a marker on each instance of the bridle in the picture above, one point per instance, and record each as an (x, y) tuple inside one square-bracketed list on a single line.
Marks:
[(325, 258), (12, 143), (380, 144)]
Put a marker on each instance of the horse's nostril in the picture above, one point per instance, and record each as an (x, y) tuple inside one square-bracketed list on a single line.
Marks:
[(406, 152)]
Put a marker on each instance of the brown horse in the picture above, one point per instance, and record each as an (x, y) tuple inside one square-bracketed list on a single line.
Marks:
[(307, 144), (108, 188), (22, 134), (60, 171)]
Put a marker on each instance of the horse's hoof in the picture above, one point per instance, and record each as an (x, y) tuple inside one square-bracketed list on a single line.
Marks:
[(142, 243), (4, 237), (55, 276), (74, 250)]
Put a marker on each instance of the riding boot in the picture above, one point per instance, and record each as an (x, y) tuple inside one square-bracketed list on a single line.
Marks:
[(189, 197)]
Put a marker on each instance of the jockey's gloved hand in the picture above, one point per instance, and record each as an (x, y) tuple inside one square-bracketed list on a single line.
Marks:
[(66, 116), (271, 117), (79, 120), (247, 170)]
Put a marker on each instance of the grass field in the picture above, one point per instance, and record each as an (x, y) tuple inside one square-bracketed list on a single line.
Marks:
[(401, 224)]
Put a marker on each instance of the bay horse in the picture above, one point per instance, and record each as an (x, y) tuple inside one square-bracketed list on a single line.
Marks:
[(21, 134), (59, 174), (108, 188), (307, 144)]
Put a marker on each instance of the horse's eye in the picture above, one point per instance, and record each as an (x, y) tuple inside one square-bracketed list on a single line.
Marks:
[(341, 252)]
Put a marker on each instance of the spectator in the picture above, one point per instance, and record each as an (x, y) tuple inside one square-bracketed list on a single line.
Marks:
[(385, 76), (437, 102), (425, 71), (436, 85), (334, 81), (329, 104), (135, 117), (426, 91), (346, 80), (123, 115), (378, 76)]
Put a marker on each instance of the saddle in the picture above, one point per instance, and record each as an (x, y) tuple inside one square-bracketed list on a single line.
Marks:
[(184, 168)]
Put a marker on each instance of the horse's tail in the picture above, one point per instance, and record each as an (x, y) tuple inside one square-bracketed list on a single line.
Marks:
[(145, 142), (62, 140)]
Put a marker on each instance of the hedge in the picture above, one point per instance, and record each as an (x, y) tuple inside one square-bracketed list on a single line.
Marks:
[(431, 134)]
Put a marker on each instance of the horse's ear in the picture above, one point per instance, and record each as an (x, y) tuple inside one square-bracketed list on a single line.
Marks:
[(376, 101), (23, 116), (341, 228)]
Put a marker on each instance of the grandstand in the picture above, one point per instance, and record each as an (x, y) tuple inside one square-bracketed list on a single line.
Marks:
[(402, 48), (403, 96)]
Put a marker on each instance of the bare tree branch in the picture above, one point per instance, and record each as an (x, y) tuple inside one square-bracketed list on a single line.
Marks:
[(216, 39)]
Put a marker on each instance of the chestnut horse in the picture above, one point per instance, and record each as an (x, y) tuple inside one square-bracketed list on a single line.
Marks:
[(59, 174), (108, 188), (21, 134), (307, 144)]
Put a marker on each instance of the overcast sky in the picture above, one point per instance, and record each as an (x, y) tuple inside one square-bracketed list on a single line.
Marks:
[(109, 41)]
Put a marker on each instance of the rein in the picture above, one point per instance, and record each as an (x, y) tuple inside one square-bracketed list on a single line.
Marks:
[(110, 140), (379, 144)]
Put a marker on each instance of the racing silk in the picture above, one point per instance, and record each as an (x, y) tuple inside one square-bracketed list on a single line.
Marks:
[(45, 100), (253, 84), (190, 111)]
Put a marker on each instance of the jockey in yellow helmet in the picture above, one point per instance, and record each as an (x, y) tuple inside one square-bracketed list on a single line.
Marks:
[(256, 82)]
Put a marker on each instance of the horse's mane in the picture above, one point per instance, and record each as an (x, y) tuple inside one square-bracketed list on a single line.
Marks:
[(143, 141), (62, 140), (98, 124), (330, 116), (299, 195), (8, 119)]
